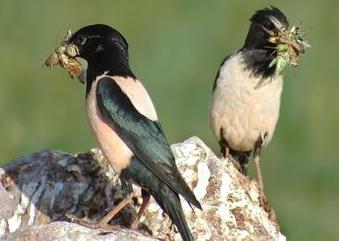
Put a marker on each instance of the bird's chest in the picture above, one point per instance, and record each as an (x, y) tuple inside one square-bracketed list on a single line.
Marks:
[(245, 108), (112, 146)]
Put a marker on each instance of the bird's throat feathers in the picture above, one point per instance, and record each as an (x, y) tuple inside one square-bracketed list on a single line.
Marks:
[(108, 59), (258, 49), (258, 62)]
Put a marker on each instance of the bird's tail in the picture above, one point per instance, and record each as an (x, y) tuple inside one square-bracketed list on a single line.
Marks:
[(242, 158), (170, 203), (167, 199)]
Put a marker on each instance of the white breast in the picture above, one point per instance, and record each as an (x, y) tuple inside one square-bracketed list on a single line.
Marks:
[(244, 109)]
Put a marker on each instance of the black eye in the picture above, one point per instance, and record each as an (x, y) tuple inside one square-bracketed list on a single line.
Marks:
[(82, 40)]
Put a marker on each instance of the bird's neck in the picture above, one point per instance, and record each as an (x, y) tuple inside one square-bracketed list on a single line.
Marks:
[(110, 61), (258, 60), (258, 52)]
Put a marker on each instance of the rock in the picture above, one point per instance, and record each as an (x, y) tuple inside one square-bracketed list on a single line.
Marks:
[(43, 193), (65, 231)]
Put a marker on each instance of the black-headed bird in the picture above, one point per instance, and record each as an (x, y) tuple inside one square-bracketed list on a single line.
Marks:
[(245, 103), (124, 121)]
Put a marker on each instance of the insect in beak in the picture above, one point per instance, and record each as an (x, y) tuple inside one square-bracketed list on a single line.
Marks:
[(65, 56), (289, 45)]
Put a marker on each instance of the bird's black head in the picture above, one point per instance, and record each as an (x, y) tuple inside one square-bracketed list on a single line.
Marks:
[(104, 49), (265, 24)]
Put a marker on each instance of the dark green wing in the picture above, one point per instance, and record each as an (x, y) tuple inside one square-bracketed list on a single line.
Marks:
[(143, 136)]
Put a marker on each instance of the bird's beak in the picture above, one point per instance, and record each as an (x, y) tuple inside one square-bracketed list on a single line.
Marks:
[(68, 47), (289, 42), (65, 56), (291, 37)]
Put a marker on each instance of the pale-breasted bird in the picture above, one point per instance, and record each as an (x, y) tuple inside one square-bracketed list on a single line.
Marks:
[(124, 121), (245, 102)]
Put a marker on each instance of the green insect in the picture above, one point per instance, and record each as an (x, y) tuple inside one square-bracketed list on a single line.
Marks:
[(289, 46), (282, 59)]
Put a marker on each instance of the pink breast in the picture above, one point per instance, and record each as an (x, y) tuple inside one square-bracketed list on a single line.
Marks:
[(112, 146), (138, 95)]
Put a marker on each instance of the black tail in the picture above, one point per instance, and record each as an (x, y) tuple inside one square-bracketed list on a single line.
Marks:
[(167, 199), (242, 157)]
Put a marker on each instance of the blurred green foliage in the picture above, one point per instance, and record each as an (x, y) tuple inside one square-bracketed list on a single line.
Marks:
[(176, 48)]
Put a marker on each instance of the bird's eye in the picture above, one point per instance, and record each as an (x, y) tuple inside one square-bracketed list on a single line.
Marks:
[(82, 40)]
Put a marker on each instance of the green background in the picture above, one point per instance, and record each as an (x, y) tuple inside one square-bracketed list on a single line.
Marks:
[(175, 49)]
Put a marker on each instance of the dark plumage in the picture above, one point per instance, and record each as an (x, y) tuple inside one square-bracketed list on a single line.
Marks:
[(144, 137), (104, 49), (257, 39), (125, 124)]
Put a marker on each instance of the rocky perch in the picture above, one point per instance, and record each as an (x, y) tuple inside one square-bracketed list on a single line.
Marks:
[(42, 193)]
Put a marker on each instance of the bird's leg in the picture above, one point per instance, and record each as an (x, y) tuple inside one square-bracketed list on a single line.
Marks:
[(225, 152), (256, 156), (263, 201), (105, 220), (224, 148), (259, 175), (103, 224), (145, 202), (260, 143)]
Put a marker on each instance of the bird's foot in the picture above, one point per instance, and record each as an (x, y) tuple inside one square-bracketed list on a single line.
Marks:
[(236, 164), (90, 223), (108, 217), (266, 205), (263, 201), (226, 154), (104, 223)]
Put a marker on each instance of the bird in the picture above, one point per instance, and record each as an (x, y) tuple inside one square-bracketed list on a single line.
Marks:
[(124, 122), (245, 103)]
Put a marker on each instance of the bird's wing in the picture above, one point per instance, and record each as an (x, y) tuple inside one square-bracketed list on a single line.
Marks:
[(142, 135), (218, 73)]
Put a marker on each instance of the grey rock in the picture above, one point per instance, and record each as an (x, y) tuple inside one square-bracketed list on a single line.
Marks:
[(45, 191)]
